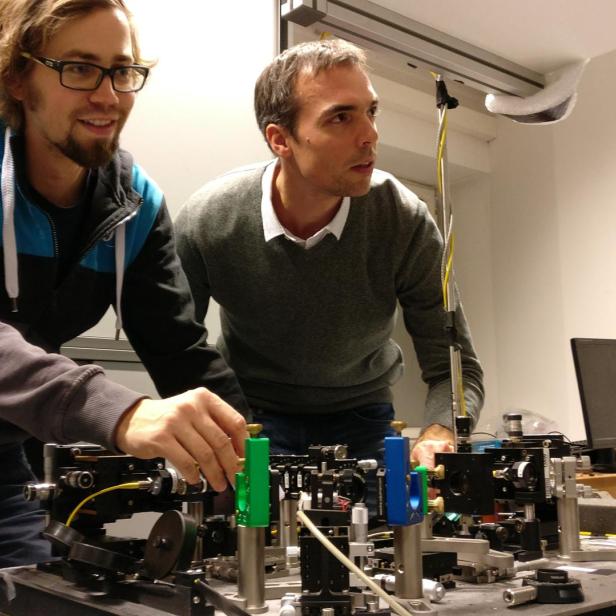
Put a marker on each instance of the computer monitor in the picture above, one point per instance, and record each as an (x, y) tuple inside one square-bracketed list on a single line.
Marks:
[(595, 368)]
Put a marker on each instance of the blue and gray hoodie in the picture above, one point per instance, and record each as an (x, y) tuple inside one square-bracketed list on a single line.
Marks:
[(127, 230)]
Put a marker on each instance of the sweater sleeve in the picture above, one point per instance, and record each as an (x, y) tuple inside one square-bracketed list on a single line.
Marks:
[(159, 320), (51, 397), (193, 263), (419, 291)]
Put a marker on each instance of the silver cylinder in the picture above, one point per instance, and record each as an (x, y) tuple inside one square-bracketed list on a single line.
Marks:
[(432, 590), (288, 522), (513, 424), (517, 596), (426, 527), (569, 521), (251, 565), (529, 511), (407, 556), (359, 523), (195, 511), (49, 460)]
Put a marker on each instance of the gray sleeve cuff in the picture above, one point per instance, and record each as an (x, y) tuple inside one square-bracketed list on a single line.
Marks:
[(93, 410), (438, 404)]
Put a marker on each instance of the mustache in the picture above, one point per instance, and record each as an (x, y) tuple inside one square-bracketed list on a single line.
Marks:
[(113, 113)]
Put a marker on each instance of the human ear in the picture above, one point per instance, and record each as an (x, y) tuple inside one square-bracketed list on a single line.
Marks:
[(278, 139)]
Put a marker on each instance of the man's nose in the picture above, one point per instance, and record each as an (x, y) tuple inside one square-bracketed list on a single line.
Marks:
[(105, 94)]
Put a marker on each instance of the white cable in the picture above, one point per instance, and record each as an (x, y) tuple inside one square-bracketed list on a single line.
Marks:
[(349, 564), (120, 249), (11, 278)]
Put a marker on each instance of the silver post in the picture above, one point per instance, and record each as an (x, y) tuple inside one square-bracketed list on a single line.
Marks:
[(251, 568), (567, 505), (195, 511), (408, 559), (529, 511), (288, 522)]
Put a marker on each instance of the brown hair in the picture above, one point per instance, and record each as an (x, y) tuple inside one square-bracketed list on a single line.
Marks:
[(274, 98), (27, 25)]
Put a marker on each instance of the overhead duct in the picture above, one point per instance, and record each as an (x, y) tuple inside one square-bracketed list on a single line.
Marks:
[(408, 43)]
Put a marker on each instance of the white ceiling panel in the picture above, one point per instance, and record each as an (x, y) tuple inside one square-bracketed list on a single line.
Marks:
[(542, 35)]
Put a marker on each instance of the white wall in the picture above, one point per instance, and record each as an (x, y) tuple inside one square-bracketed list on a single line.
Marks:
[(474, 274), (194, 119), (553, 237)]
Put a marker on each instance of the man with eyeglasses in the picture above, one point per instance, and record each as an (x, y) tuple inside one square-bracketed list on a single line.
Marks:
[(83, 228)]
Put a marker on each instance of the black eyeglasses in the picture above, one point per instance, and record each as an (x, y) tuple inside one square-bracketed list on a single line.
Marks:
[(87, 76)]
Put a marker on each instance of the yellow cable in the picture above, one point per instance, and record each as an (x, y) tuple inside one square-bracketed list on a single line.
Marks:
[(440, 152), (325, 35), (133, 485), (463, 409), (448, 267), (450, 244)]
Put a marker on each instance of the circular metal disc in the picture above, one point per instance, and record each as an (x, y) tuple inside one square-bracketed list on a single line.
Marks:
[(102, 558), (170, 545)]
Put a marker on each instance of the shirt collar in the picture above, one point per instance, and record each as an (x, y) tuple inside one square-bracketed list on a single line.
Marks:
[(273, 228)]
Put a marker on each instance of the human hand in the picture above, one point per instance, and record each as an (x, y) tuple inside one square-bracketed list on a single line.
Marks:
[(434, 439), (194, 430)]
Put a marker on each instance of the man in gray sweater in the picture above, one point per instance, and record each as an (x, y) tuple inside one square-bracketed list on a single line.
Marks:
[(308, 256)]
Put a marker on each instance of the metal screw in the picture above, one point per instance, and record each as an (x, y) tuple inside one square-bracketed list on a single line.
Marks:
[(254, 429), (398, 425)]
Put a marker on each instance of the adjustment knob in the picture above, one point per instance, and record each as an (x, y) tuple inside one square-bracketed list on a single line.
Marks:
[(254, 429), (398, 425)]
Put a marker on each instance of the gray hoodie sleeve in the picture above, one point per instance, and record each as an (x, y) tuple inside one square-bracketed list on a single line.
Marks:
[(51, 397)]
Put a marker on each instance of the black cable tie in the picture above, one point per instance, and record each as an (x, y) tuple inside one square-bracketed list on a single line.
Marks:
[(442, 96)]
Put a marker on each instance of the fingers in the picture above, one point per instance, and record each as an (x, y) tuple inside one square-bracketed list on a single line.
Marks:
[(229, 420), (178, 455), (196, 426), (224, 430), (423, 452)]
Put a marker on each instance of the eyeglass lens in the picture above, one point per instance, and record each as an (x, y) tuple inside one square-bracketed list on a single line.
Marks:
[(88, 77)]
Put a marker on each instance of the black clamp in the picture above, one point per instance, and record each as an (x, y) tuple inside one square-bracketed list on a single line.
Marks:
[(442, 96)]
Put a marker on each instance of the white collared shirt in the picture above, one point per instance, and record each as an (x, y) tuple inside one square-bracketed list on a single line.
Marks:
[(273, 228)]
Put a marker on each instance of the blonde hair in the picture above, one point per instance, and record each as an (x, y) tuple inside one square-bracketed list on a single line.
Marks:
[(27, 25)]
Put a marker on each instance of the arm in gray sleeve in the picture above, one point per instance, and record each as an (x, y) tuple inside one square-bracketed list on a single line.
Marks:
[(420, 294), (192, 262), (54, 399)]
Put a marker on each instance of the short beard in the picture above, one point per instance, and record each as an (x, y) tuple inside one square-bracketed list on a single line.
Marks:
[(96, 155)]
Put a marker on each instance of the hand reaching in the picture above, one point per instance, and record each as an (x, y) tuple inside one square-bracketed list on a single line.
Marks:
[(194, 430)]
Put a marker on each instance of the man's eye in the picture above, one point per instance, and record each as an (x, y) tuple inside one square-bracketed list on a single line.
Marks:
[(80, 70), (341, 117), (373, 112)]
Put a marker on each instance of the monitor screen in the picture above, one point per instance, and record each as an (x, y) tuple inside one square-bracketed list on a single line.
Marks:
[(595, 367)]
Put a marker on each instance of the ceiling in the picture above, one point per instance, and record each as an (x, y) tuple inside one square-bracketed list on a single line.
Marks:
[(542, 35)]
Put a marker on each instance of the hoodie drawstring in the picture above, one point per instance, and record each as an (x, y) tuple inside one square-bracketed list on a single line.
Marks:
[(120, 249), (11, 278)]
